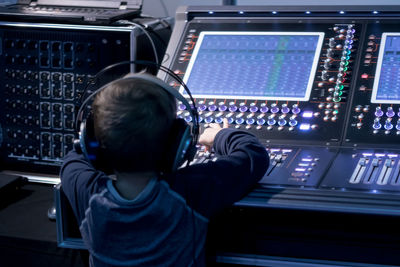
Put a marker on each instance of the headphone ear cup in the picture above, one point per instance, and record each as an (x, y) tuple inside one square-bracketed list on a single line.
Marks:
[(91, 148), (179, 146)]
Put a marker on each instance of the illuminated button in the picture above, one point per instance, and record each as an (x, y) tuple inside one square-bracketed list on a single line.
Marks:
[(239, 120), (295, 109), (253, 107), (243, 108), (334, 118), (307, 114), (292, 122), (321, 106), (378, 112), (305, 126), (218, 120), (181, 106), (274, 108), (388, 125), (201, 107), (271, 121), (222, 107), (282, 121), (390, 113), (327, 63), (339, 46), (232, 108), (285, 109), (188, 118), (250, 121), (377, 125), (260, 121), (366, 109), (359, 125), (263, 108), (361, 116)]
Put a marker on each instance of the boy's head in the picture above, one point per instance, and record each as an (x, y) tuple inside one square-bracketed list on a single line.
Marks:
[(132, 120)]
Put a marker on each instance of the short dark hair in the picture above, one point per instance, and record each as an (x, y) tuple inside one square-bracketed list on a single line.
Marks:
[(132, 119)]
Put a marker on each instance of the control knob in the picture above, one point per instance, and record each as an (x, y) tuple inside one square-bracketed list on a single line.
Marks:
[(271, 121), (274, 108), (378, 112), (390, 112), (285, 109), (377, 125), (264, 108), (296, 109), (388, 124)]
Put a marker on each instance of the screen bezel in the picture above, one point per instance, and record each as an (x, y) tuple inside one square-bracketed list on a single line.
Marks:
[(312, 74)]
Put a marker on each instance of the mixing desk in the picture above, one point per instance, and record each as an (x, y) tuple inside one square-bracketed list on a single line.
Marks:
[(319, 86)]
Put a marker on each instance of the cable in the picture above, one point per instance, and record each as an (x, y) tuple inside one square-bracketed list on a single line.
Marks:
[(164, 7), (146, 33)]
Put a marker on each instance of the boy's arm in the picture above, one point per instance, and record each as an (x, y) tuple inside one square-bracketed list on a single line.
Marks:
[(210, 187), (79, 182)]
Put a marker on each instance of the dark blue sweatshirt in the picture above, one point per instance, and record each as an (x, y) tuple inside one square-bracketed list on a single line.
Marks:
[(166, 224)]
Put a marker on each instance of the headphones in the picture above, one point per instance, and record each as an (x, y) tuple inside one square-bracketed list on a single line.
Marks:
[(182, 138)]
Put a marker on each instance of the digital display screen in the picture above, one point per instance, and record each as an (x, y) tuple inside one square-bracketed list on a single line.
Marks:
[(254, 65), (387, 77)]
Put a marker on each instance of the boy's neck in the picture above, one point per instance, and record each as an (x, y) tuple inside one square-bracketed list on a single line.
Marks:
[(129, 185)]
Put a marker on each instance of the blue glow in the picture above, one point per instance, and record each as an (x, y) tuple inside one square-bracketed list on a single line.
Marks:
[(375, 12), (274, 12), (210, 12), (305, 126), (300, 169), (308, 12), (307, 114), (241, 12), (94, 144), (342, 12)]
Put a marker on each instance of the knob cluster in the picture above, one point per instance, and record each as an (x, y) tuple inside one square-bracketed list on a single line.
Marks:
[(339, 50), (245, 113), (385, 119)]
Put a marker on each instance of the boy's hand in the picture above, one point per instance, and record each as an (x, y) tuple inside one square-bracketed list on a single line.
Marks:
[(208, 136)]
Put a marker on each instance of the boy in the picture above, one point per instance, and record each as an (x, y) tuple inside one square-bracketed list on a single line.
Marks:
[(140, 218)]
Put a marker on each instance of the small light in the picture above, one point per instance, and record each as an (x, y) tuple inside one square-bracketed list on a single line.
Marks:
[(307, 114), (305, 126), (300, 169), (241, 12), (274, 12), (210, 12), (379, 155), (308, 12), (367, 154), (341, 12), (374, 191), (375, 12)]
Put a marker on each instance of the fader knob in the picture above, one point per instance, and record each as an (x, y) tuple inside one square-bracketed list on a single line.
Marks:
[(378, 112), (377, 125), (390, 113)]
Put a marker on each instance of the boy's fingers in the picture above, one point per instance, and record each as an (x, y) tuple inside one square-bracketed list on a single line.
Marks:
[(225, 123), (215, 125)]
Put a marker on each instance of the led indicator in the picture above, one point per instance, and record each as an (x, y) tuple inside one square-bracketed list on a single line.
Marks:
[(307, 114), (305, 126)]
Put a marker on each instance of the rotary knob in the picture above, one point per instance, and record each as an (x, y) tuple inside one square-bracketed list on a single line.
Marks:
[(271, 121), (274, 108), (390, 112), (378, 112), (264, 108), (377, 125), (296, 109), (388, 124)]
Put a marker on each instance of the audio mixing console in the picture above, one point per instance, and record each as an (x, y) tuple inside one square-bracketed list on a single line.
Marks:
[(319, 86), (314, 90)]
